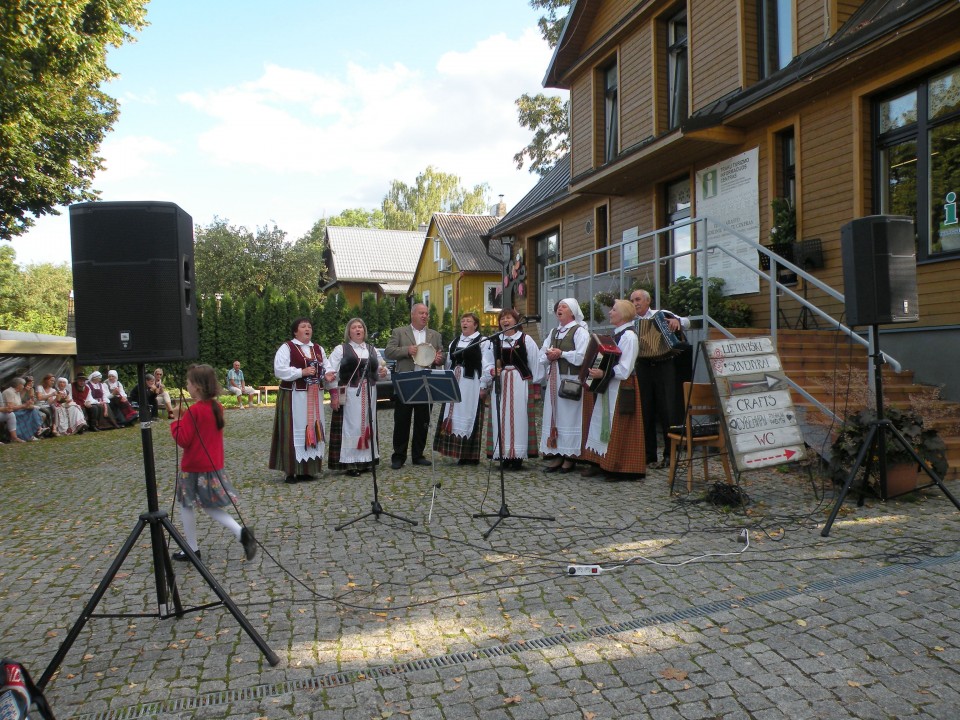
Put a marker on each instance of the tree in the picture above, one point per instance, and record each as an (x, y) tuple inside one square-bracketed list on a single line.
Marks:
[(406, 207), (233, 260), (547, 116), (54, 114), (33, 299)]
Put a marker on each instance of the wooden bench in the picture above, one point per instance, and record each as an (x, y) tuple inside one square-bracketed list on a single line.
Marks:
[(265, 391)]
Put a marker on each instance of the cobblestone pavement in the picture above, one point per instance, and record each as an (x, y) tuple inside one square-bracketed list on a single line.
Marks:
[(386, 619)]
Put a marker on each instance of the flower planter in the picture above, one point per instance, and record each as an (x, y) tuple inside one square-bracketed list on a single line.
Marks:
[(902, 478)]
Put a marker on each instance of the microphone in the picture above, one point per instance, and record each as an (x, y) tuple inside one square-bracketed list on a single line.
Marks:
[(531, 318)]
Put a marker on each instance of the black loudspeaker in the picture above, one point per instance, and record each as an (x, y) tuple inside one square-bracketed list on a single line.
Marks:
[(133, 282), (879, 270)]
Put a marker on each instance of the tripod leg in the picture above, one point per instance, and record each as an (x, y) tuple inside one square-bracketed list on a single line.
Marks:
[(92, 604), (867, 444), (221, 593)]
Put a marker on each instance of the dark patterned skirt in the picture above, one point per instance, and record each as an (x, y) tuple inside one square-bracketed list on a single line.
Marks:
[(282, 453), (462, 448), (335, 440), (626, 451), (205, 489)]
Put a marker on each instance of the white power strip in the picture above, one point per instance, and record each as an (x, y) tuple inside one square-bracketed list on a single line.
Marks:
[(584, 569)]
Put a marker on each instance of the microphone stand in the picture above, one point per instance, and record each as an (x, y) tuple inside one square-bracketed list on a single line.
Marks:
[(504, 511), (376, 509)]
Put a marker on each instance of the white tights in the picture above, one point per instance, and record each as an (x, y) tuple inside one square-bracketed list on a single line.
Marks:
[(188, 517)]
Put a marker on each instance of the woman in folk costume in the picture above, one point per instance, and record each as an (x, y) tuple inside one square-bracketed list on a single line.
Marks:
[(461, 424), (353, 369), (614, 444), (68, 417), (100, 396), (561, 357), (298, 440), (123, 411), (512, 397)]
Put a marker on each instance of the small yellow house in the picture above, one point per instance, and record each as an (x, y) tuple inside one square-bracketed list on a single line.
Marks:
[(457, 271)]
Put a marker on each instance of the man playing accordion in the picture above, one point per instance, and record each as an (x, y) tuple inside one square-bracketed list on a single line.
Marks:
[(661, 394)]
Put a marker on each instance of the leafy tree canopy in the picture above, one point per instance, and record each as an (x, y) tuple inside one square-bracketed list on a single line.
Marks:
[(546, 116), (33, 299), (235, 261), (53, 114), (406, 207)]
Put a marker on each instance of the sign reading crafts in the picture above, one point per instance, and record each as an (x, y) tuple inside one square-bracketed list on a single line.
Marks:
[(755, 398)]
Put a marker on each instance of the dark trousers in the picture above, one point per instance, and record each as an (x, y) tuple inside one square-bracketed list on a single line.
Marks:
[(402, 415), (659, 394)]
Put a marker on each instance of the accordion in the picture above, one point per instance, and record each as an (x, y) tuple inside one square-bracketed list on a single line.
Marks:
[(657, 341), (602, 353)]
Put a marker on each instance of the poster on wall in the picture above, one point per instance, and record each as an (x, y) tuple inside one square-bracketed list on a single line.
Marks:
[(729, 192)]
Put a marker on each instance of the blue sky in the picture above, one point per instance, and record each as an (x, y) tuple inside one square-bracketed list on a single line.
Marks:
[(285, 112)]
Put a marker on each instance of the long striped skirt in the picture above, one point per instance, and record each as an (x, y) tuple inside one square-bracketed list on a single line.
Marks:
[(456, 446), (625, 450), (518, 421), (283, 454)]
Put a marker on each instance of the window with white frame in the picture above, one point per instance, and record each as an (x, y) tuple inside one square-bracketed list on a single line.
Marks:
[(492, 297), (448, 298), (426, 298)]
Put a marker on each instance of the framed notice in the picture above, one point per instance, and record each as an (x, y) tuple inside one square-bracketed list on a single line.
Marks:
[(755, 399)]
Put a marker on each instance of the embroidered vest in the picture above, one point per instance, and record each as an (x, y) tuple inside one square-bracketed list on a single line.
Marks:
[(515, 355), (298, 360), (469, 356), (351, 362), (566, 344)]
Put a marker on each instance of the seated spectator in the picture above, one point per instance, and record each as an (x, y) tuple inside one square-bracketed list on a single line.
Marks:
[(100, 396), (121, 408), (27, 419), (44, 399), (69, 418), (150, 396), (236, 386), (91, 408), (163, 397)]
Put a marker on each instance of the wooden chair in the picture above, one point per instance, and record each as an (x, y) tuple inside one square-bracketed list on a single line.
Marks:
[(701, 408)]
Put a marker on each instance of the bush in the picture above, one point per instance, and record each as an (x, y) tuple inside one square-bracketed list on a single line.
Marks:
[(685, 298)]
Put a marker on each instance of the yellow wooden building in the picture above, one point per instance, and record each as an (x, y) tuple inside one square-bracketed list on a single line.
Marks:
[(458, 270), (370, 260)]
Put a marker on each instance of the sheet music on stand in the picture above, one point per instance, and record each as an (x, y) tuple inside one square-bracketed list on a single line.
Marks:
[(419, 387)]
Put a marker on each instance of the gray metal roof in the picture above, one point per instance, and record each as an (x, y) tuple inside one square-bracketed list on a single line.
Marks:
[(463, 235), (388, 257)]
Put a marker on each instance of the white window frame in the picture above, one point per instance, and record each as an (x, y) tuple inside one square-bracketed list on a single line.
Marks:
[(488, 307)]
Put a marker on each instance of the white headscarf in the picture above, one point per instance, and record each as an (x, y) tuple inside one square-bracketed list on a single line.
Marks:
[(96, 376), (575, 309), (64, 381), (112, 374)]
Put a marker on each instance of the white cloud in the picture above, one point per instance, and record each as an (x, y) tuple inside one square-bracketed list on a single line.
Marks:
[(132, 156)]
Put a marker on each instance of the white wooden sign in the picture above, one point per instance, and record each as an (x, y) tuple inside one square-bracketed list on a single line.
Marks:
[(755, 398)]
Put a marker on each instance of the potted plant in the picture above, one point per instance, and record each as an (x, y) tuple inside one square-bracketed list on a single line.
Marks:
[(902, 469)]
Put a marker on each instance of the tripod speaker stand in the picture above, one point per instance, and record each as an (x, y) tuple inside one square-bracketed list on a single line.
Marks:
[(874, 446), (504, 511), (162, 567)]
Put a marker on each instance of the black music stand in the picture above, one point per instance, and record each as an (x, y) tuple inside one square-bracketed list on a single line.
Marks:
[(419, 387), (504, 511)]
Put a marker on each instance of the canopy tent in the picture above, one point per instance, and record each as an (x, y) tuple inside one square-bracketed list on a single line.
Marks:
[(23, 353)]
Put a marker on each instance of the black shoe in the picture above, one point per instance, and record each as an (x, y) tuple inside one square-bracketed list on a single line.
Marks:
[(421, 461), (353, 472), (249, 542), (291, 480), (396, 464), (305, 477), (181, 556)]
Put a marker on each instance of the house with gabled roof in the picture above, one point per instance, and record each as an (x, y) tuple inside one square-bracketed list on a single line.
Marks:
[(458, 270), (370, 260)]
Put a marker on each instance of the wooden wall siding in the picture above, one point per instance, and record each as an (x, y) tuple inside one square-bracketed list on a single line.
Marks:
[(472, 298), (714, 52), (609, 14), (842, 10), (750, 46), (581, 125), (811, 24), (636, 89)]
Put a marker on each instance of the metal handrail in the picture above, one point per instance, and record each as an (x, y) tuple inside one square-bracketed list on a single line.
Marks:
[(559, 277)]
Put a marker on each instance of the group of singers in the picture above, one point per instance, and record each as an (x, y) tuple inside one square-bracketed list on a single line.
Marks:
[(612, 430)]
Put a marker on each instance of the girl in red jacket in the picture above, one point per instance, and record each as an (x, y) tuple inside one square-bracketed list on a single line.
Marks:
[(202, 481)]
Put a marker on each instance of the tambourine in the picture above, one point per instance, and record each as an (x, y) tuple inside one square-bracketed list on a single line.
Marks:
[(425, 355)]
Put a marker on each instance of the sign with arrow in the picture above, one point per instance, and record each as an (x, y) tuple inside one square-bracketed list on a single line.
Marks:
[(756, 402)]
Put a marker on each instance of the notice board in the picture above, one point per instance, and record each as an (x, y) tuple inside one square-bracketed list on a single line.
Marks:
[(755, 399)]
